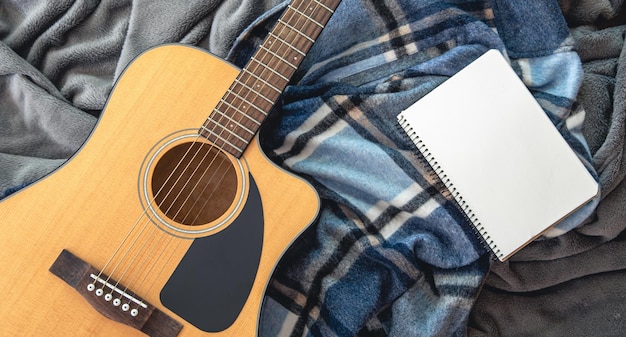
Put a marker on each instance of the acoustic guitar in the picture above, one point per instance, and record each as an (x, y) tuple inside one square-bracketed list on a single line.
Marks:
[(166, 222)]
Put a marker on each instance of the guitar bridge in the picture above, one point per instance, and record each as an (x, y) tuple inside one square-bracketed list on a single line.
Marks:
[(110, 300)]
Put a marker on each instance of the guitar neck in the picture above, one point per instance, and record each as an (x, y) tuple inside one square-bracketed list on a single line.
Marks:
[(235, 120)]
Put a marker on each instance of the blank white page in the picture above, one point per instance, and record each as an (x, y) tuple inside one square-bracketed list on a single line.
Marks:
[(507, 161)]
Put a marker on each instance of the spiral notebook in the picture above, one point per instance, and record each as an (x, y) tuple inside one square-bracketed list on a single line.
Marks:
[(498, 153)]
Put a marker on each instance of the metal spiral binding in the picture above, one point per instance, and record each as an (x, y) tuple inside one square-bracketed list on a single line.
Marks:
[(481, 232)]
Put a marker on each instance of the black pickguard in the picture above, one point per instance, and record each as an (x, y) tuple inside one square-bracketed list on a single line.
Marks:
[(213, 280)]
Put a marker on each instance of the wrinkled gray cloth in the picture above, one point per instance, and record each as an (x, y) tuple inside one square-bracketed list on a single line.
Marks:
[(59, 60), (593, 12), (575, 285)]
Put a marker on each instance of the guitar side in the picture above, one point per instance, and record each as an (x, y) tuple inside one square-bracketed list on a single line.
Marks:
[(88, 205)]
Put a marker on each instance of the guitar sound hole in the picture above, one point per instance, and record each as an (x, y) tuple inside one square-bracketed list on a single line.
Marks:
[(194, 183)]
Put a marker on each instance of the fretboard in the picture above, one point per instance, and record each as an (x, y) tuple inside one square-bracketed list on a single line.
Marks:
[(237, 117)]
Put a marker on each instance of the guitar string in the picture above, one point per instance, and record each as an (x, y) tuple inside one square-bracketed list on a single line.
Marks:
[(172, 188), (215, 172), (284, 44), (162, 233), (144, 215), (169, 238), (133, 228), (175, 216), (247, 93), (129, 265), (147, 272), (183, 203), (206, 197), (173, 185), (209, 198), (205, 185), (124, 256), (259, 76), (198, 181), (206, 200)]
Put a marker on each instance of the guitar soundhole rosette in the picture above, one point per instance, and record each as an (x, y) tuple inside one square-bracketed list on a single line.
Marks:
[(189, 187)]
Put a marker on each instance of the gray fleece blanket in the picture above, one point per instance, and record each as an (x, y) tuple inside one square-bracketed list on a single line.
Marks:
[(575, 285), (59, 61)]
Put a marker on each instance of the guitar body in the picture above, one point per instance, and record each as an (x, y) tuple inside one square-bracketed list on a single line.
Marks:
[(102, 200)]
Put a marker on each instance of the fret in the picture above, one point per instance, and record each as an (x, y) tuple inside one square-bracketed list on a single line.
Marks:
[(287, 54), (325, 7), (237, 123), (287, 44), (279, 57), (258, 94), (221, 139), (296, 30), (251, 96), (288, 38), (236, 101), (310, 19), (214, 127), (319, 21), (274, 71), (262, 80), (241, 112)]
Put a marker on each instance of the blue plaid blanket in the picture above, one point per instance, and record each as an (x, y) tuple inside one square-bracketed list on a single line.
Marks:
[(391, 254)]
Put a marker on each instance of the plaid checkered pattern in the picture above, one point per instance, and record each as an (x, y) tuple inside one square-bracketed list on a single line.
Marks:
[(391, 254)]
